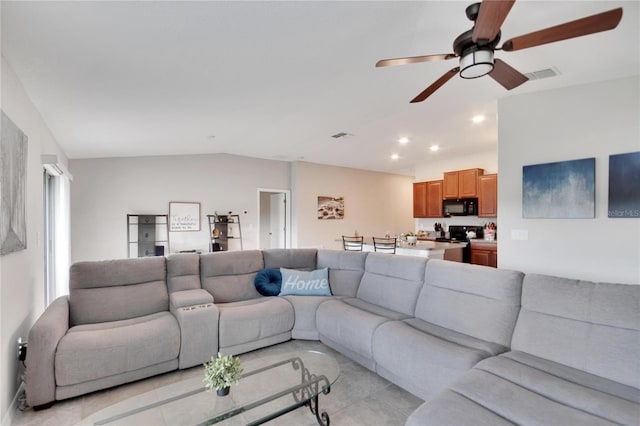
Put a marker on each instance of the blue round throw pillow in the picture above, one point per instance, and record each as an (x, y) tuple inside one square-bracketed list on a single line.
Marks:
[(268, 282)]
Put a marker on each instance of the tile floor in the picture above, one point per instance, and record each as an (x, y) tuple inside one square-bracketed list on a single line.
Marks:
[(359, 397)]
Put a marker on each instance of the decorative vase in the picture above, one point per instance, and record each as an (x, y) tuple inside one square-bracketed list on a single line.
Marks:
[(412, 240), (223, 391)]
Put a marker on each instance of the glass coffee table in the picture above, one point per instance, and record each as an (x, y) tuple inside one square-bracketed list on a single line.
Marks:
[(269, 387)]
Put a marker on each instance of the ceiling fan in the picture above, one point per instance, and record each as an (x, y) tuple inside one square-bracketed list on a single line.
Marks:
[(476, 47)]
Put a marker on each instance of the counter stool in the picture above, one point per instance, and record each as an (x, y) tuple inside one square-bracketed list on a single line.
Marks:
[(352, 243), (384, 245)]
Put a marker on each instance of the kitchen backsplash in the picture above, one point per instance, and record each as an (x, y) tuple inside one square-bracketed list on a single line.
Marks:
[(427, 224)]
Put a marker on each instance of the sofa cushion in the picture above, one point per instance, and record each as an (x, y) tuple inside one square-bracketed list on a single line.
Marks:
[(229, 275), (183, 272), (305, 308), (305, 283), (455, 337), (92, 351), (374, 309), (348, 326), (392, 282), (420, 362), (470, 299), (268, 281), (594, 327), (522, 389), (251, 320), (302, 259), (345, 270), (113, 290)]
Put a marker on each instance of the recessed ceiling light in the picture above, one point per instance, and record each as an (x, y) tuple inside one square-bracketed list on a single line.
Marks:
[(394, 156), (434, 148), (478, 119), (403, 140)]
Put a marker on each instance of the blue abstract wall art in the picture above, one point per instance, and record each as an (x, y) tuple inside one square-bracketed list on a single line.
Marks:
[(559, 190), (624, 185)]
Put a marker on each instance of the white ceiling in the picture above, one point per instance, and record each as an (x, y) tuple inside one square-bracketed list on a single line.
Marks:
[(276, 79)]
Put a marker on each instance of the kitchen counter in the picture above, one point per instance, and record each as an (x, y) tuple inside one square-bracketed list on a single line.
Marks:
[(430, 249), (480, 242)]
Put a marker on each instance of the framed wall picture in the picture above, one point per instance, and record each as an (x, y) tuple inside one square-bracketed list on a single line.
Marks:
[(565, 189), (330, 207), (624, 185), (184, 216)]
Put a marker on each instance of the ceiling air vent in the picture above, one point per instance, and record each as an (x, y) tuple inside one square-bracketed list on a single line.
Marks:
[(540, 74), (341, 135)]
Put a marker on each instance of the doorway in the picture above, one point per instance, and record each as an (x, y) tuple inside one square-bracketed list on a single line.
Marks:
[(274, 218)]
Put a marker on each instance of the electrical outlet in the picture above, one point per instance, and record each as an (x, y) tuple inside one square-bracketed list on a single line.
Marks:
[(22, 349)]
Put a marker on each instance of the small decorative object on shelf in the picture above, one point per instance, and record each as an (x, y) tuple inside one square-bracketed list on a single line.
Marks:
[(222, 372)]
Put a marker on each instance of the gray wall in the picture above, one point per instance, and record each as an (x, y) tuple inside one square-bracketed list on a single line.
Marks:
[(22, 272), (594, 120), (104, 191)]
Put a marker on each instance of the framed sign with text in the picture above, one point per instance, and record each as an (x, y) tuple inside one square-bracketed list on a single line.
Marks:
[(184, 216)]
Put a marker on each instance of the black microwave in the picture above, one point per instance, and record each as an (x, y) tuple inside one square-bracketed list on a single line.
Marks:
[(460, 207)]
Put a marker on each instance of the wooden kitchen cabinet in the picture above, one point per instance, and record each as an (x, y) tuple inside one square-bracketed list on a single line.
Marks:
[(461, 183), (450, 185), (484, 253), (427, 199), (420, 199), (434, 198), (488, 195)]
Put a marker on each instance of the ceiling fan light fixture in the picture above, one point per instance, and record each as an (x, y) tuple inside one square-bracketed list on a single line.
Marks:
[(476, 64)]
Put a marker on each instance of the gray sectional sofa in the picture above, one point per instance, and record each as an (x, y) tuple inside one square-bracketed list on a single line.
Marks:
[(479, 345)]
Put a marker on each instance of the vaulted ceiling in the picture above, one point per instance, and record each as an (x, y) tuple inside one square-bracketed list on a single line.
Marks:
[(277, 79)]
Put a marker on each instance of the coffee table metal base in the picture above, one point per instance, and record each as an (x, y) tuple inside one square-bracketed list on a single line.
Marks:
[(305, 394)]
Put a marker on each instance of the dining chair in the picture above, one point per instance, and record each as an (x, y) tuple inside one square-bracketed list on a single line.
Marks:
[(352, 243), (384, 245)]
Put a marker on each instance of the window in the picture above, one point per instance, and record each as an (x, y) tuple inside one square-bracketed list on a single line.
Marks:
[(56, 189)]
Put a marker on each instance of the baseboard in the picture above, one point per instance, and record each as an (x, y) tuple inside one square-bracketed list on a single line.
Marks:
[(13, 407)]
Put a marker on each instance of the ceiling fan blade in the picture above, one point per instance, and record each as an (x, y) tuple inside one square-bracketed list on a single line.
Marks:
[(435, 86), (580, 27), (415, 59), (490, 18), (506, 75)]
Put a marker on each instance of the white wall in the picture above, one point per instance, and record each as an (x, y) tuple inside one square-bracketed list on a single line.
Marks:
[(435, 168), (374, 203), (104, 191), (22, 272), (594, 120)]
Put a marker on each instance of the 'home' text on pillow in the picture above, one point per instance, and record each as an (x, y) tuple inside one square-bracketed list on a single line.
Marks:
[(303, 283)]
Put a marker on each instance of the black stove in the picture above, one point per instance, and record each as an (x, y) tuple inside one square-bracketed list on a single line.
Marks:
[(459, 233)]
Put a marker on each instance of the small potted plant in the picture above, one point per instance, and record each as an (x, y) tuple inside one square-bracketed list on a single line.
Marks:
[(222, 372), (411, 238)]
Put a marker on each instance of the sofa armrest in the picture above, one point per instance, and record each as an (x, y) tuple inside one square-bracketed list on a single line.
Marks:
[(44, 337), (185, 298), (198, 320)]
